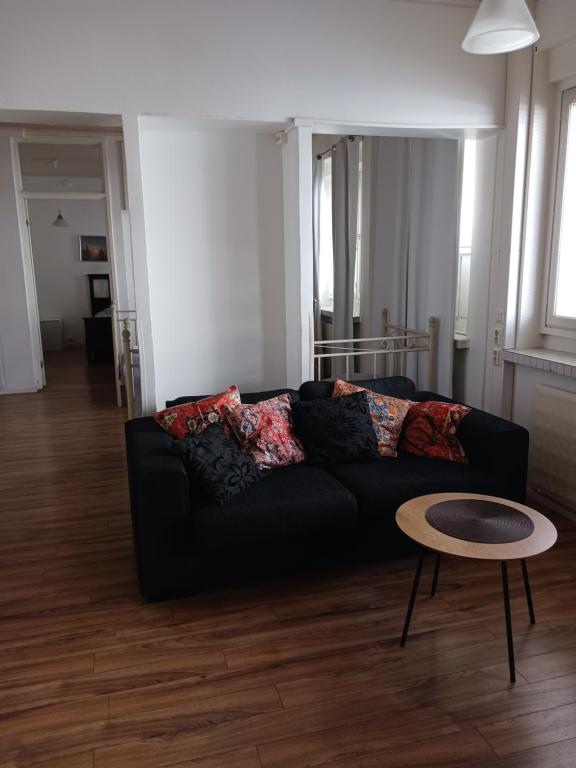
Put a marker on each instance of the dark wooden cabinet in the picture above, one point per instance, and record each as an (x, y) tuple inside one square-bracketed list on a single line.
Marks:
[(98, 333)]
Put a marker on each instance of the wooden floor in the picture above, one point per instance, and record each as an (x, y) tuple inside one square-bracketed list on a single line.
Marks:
[(283, 675)]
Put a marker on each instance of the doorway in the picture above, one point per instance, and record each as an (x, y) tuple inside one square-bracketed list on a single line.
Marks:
[(67, 213)]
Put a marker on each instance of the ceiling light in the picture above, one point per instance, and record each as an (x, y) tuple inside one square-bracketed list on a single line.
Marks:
[(501, 26), (60, 221)]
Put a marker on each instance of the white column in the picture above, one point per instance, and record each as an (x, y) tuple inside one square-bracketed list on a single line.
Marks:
[(298, 253), (141, 288)]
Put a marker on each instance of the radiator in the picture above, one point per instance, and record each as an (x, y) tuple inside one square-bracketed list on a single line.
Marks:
[(51, 334), (553, 445)]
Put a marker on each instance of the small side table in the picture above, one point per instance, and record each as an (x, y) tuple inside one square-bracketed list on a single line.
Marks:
[(411, 519)]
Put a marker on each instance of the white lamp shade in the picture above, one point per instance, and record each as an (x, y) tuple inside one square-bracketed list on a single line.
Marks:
[(501, 26)]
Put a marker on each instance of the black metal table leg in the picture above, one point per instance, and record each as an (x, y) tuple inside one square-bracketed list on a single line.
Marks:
[(435, 577), (508, 616), (528, 592), (412, 598)]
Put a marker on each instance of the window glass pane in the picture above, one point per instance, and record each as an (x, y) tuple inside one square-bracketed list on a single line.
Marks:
[(358, 262), (565, 299), (326, 266), (467, 204)]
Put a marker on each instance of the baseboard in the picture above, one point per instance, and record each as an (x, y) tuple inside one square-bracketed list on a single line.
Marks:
[(547, 502), (23, 391)]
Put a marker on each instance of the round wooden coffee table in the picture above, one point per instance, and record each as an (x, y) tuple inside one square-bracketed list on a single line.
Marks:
[(411, 517)]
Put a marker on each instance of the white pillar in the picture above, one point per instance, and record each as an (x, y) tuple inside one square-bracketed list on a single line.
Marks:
[(298, 253)]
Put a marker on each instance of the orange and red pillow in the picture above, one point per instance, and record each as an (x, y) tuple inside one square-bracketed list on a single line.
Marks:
[(430, 430), (188, 418), (265, 431), (387, 414)]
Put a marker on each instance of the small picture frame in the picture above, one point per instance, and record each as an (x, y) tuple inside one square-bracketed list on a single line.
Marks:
[(93, 248)]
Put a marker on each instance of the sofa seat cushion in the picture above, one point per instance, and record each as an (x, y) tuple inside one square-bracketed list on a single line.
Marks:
[(381, 487), (289, 502)]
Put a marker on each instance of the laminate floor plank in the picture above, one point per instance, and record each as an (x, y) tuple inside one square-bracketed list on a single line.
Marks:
[(293, 672)]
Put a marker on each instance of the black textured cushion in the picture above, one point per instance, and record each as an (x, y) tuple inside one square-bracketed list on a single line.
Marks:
[(336, 430), (393, 386), (217, 464)]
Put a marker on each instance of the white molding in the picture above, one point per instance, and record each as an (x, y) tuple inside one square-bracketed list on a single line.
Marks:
[(452, 3), (62, 195), (28, 269)]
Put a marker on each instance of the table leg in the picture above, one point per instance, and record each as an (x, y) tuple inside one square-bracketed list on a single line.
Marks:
[(412, 598), (508, 616), (528, 592), (435, 577)]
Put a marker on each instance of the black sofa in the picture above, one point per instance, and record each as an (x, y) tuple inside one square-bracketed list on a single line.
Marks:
[(299, 515)]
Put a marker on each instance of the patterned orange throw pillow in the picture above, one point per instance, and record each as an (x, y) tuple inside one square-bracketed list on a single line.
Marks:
[(387, 414), (265, 431), (430, 430), (183, 420)]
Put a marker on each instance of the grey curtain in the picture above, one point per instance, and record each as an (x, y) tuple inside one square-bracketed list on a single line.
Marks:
[(345, 159), (413, 244)]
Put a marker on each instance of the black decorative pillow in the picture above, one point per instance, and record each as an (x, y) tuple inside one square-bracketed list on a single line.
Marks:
[(217, 464), (336, 430)]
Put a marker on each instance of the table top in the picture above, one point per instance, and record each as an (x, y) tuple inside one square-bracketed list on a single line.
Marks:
[(411, 519)]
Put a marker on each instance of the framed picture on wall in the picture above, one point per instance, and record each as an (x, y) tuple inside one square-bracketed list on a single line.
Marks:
[(93, 248)]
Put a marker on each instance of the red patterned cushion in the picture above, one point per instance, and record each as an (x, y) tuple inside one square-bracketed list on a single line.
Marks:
[(265, 431), (430, 430), (183, 420), (387, 413)]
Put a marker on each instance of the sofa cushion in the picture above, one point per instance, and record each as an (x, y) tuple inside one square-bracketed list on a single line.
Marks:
[(430, 429), (336, 429), (246, 397), (187, 418), (217, 464), (265, 431), (394, 386), (381, 487), (289, 502), (387, 413)]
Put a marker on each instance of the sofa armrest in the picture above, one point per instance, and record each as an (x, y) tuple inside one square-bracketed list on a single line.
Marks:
[(498, 446), (159, 503)]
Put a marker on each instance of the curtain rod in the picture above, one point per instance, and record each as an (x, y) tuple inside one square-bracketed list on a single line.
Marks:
[(333, 147)]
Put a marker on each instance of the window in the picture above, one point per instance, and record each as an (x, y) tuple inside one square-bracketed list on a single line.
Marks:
[(326, 266), (561, 304), (467, 201)]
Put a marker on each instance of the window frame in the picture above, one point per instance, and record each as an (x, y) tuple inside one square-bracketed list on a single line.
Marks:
[(558, 325)]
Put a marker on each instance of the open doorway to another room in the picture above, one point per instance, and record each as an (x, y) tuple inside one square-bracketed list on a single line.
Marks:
[(72, 200), (385, 245)]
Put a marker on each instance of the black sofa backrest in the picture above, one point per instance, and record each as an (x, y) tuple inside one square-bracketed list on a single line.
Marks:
[(247, 397), (395, 386)]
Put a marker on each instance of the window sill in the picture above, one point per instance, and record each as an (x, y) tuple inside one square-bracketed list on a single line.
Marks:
[(546, 360)]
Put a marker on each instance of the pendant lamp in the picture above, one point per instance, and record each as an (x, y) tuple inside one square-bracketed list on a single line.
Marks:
[(501, 26), (60, 221)]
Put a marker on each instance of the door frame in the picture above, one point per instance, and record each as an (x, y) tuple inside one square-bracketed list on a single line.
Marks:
[(22, 197)]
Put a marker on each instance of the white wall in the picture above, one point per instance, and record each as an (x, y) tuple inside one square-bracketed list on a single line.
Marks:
[(61, 282), (213, 208), (16, 357), (367, 60)]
